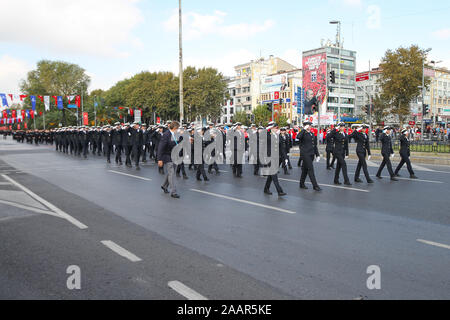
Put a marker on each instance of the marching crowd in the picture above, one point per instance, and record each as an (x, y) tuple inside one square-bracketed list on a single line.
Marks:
[(136, 143)]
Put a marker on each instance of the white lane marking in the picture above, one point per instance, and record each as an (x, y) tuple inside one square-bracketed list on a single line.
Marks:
[(185, 291), (18, 205), (121, 251), (435, 244), (329, 186), (2, 220), (130, 175), (5, 184), (371, 164), (244, 201), (56, 210), (420, 168)]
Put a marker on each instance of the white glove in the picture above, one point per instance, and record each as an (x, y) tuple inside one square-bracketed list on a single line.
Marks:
[(318, 159), (370, 157), (346, 157), (392, 156)]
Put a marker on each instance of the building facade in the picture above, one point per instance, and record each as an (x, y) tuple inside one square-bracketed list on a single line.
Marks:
[(317, 66)]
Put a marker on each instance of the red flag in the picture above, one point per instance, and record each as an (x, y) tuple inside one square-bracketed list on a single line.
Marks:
[(26, 126), (85, 118), (5, 114), (130, 111), (56, 100), (23, 114), (32, 114), (78, 101), (40, 113), (23, 96), (41, 98), (13, 114)]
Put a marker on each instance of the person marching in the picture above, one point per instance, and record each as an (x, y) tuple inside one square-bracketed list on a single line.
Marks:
[(341, 153), (362, 150), (387, 152), (405, 153), (164, 155), (107, 139), (284, 150), (330, 149), (137, 143), (201, 167), (308, 150), (272, 132), (237, 149)]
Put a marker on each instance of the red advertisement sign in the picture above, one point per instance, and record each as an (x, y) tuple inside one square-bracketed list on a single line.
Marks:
[(314, 81), (277, 95), (362, 77), (85, 118), (158, 120)]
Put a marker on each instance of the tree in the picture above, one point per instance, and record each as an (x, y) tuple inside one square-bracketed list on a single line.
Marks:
[(55, 78), (262, 115), (380, 109), (401, 78), (241, 117)]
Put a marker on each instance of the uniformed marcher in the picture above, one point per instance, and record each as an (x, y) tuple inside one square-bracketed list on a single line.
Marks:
[(405, 153), (284, 150), (387, 152), (308, 151), (107, 139), (238, 149), (137, 143), (117, 142), (272, 132), (330, 149), (341, 152), (126, 143), (362, 150)]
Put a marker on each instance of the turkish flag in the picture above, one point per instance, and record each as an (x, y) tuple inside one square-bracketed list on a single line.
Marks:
[(41, 98), (78, 101), (23, 114), (23, 96), (13, 113), (277, 95), (85, 118), (32, 114)]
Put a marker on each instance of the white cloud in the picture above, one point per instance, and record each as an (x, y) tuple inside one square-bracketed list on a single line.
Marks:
[(443, 34), (196, 25), (83, 26), (374, 19), (12, 71)]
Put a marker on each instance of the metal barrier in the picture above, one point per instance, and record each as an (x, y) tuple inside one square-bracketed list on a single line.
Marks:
[(419, 146)]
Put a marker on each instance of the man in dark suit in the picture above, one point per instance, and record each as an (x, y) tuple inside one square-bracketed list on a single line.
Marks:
[(387, 152), (137, 143), (341, 152), (107, 138), (271, 133), (126, 143), (362, 150), (308, 150), (117, 142), (330, 149), (405, 153), (165, 147)]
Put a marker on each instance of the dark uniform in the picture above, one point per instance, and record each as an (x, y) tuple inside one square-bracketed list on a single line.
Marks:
[(117, 142), (330, 150), (340, 152), (405, 153), (308, 150), (284, 150), (107, 142), (271, 178), (386, 152), (137, 144), (362, 150)]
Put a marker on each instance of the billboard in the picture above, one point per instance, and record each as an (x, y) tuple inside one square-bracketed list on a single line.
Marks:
[(314, 81), (270, 84)]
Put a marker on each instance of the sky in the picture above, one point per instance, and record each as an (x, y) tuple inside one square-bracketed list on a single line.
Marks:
[(115, 39)]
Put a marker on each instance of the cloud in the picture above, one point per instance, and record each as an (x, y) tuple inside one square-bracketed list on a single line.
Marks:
[(65, 26), (196, 25), (374, 19), (12, 72), (443, 34)]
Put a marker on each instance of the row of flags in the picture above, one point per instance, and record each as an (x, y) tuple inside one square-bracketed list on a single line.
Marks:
[(7, 100)]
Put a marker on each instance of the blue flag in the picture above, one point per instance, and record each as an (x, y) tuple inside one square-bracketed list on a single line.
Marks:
[(33, 102), (27, 113), (60, 103), (4, 100)]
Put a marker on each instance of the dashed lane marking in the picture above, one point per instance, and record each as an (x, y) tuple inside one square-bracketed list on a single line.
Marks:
[(328, 186), (121, 251), (244, 201), (435, 244), (185, 291), (129, 175), (55, 210)]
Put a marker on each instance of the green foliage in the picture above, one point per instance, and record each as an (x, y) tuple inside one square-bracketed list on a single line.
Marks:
[(401, 78), (283, 121), (262, 115), (242, 117)]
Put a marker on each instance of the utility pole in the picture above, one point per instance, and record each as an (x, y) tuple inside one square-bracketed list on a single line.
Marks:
[(339, 46), (181, 64), (423, 94), (370, 105)]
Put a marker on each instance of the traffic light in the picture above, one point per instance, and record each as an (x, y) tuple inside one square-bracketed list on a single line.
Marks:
[(426, 109), (270, 107), (333, 77)]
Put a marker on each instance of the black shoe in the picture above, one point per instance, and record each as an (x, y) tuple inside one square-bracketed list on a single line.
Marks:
[(397, 175), (380, 177), (394, 179), (206, 179), (144, 161), (317, 189), (268, 192), (282, 194), (347, 183), (175, 196), (337, 183), (370, 181), (217, 173), (108, 161), (199, 179), (178, 175), (185, 177), (166, 191), (329, 168), (302, 186), (358, 180), (413, 177)]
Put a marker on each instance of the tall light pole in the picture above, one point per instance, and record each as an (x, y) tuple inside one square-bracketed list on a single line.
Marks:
[(338, 44), (181, 64), (433, 106), (423, 93)]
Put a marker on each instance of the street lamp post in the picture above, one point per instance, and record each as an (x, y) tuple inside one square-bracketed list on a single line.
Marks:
[(433, 106), (181, 64), (338, 44), (423, 94)]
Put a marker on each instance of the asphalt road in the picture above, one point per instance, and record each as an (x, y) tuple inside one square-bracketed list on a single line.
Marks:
[(223, 239)]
